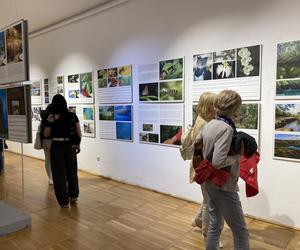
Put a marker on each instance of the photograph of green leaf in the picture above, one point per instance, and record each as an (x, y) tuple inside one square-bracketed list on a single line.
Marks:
[(170, 91), (287, 146), (171, 69), (288, 60), (248, 117), (287, 117)]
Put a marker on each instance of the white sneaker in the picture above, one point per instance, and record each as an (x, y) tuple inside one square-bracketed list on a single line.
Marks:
[(50, 182)]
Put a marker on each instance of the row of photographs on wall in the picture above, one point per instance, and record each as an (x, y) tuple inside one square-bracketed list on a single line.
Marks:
[(224, 64), (162, 82), (15, 122), (13, 53), (114, 86), (85, 113), (238, 69)]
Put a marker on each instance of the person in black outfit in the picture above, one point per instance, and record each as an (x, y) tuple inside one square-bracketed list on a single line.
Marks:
[(63, 126)]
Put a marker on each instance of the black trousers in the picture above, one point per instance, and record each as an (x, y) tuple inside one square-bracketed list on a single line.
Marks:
[(64, 172)]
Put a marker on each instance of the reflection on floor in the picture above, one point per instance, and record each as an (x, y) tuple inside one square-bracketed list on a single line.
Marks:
[(113, 215)]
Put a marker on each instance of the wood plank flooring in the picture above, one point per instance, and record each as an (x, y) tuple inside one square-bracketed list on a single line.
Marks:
[(113, 215)]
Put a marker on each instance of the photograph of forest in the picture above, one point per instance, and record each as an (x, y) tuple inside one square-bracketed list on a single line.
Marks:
[(248, 117), (287, 117), (288, 60)]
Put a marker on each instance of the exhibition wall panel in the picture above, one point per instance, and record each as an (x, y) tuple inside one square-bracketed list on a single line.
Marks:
[(151, 31)]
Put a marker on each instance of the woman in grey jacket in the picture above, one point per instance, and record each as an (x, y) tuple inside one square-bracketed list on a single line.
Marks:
[(224, 203)]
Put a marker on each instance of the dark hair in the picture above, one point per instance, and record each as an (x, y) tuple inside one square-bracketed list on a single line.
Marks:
[(59, 104)]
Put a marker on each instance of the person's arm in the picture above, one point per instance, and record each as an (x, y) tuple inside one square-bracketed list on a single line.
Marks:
[(78, 132), (222, 146), (47, 130)]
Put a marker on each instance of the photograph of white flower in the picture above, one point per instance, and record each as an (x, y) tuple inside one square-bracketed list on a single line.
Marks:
[(248, 59), (224, 70)]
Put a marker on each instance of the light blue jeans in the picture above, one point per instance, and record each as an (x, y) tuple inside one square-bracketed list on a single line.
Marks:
[(226, 205)]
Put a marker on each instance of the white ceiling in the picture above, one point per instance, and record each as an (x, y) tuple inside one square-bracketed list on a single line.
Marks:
[(42, 13)]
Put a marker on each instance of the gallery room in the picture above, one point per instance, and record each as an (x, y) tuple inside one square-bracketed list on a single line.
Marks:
[(129, 75)]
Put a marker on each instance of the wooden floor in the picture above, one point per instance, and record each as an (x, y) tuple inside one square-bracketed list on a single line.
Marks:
[(113, 215)]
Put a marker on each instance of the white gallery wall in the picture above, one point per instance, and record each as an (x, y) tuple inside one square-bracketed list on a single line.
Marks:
[(144, 31)]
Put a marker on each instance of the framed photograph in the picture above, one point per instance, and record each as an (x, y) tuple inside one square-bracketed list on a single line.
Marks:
[(115, 122), (171, 69), (248, 117), (287, 117), (171, 91), (287, 146), (14, 63), (288, 70), (202, 67), (248, 61)]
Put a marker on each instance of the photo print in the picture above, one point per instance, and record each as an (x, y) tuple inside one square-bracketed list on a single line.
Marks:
[(288, 60), (148, 92), (123, 113), (124, 71), (14, 44), (102, 74), (16, 101), (88, 113), (287, 146), (248, 116), (36, 88), (112, 82), (143, 137), (124, 131), (36, 113), (288, 88), (248, 61), (171, 91), (170, 134), (73, 94), (3, 60), (112, 72), (224, 70), (107, 113), (224, 64), (287, 117), (60, 85), (147, 127), (202, 67), (3, 114), (86, 84), (73, 78), (153, 138), (88, 127), (171, 69)]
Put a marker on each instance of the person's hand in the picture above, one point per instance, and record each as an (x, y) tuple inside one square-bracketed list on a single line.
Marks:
[(51, 118), (198, 144), (77, 149), (242, 148)]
